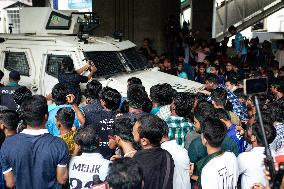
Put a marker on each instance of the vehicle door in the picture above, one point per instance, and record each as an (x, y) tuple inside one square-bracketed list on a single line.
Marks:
[(52, 68), (19, 59)]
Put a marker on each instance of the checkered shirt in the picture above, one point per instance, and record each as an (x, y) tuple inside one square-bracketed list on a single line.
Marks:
[(178, 128), (279, 140), (238, 108)]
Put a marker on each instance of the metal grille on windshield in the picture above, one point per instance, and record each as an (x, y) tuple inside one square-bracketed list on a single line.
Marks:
[(136, 61), (107, 62)]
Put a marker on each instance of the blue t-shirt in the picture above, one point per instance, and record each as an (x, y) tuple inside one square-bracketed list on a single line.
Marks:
[(2, 180), (33, 159), (238, 40), (236, 137), (51, 122), (155, 110), (183, 75)]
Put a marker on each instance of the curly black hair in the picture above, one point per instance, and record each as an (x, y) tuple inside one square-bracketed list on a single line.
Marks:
[(162, 94), (136, 96)]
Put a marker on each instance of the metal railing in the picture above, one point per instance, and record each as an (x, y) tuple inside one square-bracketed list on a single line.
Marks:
[(243, 13)]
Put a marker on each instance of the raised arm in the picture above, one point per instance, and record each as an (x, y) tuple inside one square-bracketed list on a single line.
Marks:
[(82, 69), (71, 100)]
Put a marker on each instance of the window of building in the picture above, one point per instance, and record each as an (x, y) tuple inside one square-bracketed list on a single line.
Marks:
[(53, 65), (17, 61), (14, 19)]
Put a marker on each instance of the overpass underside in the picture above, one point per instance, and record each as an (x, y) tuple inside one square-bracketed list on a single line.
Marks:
[(242, 14)]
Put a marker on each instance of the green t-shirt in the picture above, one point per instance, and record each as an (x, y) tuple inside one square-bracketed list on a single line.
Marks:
[(197, 151)]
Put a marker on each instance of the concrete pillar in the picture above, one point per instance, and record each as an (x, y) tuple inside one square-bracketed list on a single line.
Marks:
[(137, 19), (202, 17)]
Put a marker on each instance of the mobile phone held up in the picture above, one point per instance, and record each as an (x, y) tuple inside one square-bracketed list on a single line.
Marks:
[(256, 86)]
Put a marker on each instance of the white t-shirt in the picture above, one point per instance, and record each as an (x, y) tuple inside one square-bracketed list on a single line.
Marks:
[(83, 168), (181, 179), (279, 56), (220, 172), (251, 167), (164, 112)]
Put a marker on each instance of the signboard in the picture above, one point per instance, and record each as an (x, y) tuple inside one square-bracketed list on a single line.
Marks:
[(79, 4), (72, 5)]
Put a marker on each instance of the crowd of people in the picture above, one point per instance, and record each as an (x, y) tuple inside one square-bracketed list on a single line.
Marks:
[(161, 140), (193, 58)]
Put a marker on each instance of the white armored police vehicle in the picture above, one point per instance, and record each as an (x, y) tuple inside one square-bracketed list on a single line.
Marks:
[(47, 36)]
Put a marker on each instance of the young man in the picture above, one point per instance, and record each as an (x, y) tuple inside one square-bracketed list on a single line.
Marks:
[(130, 81), (232, 132), (211, 83), (14, 78), (251, 163), (230, 73), (277, 89), (93, 89), (134, 81), (239, 45), (197, 151), (219, 100), (125, 173), (103, 120), (181, 112), (156, 163), (275, 115), (181, 178), (82, 168), (203, 109), (231, 84), (168, 68), (136, 97), (123, 137), (214, 69), (166, 98), (161, 96), (64, 122), (59, 95), (6, 92), (9, 121), (219, 169), (41, 160), (71, 79)]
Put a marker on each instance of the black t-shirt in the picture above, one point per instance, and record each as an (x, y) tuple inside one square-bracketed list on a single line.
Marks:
[(72, 82), (103, 123), (171, 71), (6, 97), (230, 75), (132, 116), (90, 108), (153, 162)]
